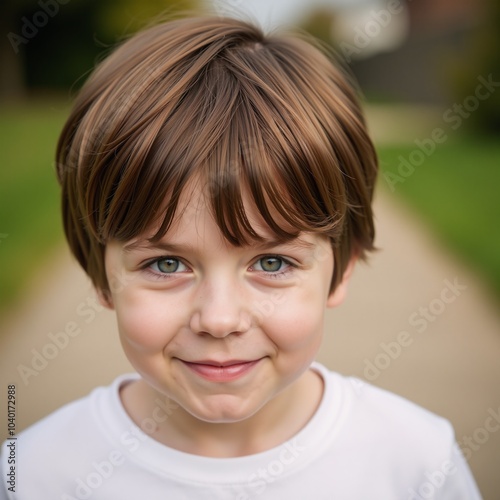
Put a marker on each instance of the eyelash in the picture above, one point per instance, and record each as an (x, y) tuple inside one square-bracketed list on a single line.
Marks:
[(282, 273)]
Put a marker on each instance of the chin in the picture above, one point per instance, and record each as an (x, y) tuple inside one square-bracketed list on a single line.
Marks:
[(224, 409)]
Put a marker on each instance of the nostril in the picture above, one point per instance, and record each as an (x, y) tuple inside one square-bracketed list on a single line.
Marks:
[(219, 324)]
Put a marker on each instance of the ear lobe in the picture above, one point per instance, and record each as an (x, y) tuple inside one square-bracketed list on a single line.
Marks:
[(338, 295), (105, 299)]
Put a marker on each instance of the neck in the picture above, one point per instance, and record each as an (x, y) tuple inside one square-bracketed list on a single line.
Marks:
[(276, 422)]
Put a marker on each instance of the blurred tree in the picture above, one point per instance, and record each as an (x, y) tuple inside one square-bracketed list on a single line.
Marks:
[(11, 62), (122, 17), (319, 23), (51, 44), (480, 58)]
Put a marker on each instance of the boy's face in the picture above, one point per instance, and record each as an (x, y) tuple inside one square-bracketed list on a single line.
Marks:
[(219, 329)]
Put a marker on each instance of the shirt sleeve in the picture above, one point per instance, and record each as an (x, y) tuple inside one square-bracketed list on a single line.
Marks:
[(460, 483), (3, 492)]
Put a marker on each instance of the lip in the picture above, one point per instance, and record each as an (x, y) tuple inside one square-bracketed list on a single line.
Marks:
[(223, 371)]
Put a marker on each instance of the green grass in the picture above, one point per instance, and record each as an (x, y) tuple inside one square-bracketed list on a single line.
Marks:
[(456, 190), (30, 224)]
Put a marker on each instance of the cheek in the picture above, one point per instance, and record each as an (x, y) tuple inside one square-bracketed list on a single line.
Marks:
[(146, 323), (296, 322)]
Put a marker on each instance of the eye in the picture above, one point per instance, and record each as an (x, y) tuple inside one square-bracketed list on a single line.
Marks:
[(167, 265), (271, 264)]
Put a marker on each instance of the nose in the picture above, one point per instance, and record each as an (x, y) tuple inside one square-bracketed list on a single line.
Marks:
[(220, 310)]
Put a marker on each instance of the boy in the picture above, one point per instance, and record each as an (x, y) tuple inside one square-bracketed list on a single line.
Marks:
[(217, 188)]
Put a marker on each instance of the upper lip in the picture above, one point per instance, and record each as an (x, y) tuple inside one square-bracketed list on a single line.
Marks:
[(220, 363)]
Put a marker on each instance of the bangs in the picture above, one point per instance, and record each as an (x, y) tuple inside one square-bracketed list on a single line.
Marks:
[(235, 133)]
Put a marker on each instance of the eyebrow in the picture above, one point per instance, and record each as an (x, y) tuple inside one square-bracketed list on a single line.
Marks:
[(293, 243), (145, 244)]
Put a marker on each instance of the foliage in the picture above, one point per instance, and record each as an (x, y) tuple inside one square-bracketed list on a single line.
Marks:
[(319, 24), (54, 45), (118, 18), (480, 58)]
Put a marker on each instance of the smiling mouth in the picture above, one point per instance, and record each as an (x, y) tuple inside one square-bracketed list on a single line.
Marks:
[(221, 371)]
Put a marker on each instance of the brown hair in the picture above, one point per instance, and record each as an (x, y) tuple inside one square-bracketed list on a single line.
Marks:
[(217, 98)]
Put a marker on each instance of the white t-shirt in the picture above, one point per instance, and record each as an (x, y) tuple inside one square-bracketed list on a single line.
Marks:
[(362, 443)]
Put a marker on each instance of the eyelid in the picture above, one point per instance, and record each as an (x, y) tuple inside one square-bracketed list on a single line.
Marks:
[(288, 260)]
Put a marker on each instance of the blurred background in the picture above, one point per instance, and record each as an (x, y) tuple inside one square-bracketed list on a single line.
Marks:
[(429, 71)]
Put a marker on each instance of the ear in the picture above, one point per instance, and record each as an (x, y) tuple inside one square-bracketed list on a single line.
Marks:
[(105, 299), (338, 295)]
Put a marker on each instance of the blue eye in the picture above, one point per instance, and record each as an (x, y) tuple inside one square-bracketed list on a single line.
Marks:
[(167, 265)]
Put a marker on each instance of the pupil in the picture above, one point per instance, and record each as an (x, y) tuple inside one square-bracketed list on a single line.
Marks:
[(271, 264), (168, 265)]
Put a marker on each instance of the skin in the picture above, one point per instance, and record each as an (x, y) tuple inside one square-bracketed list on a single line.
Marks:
[(194, 297)]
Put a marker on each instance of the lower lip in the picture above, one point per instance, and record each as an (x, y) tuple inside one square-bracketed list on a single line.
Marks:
[(221, 373)]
